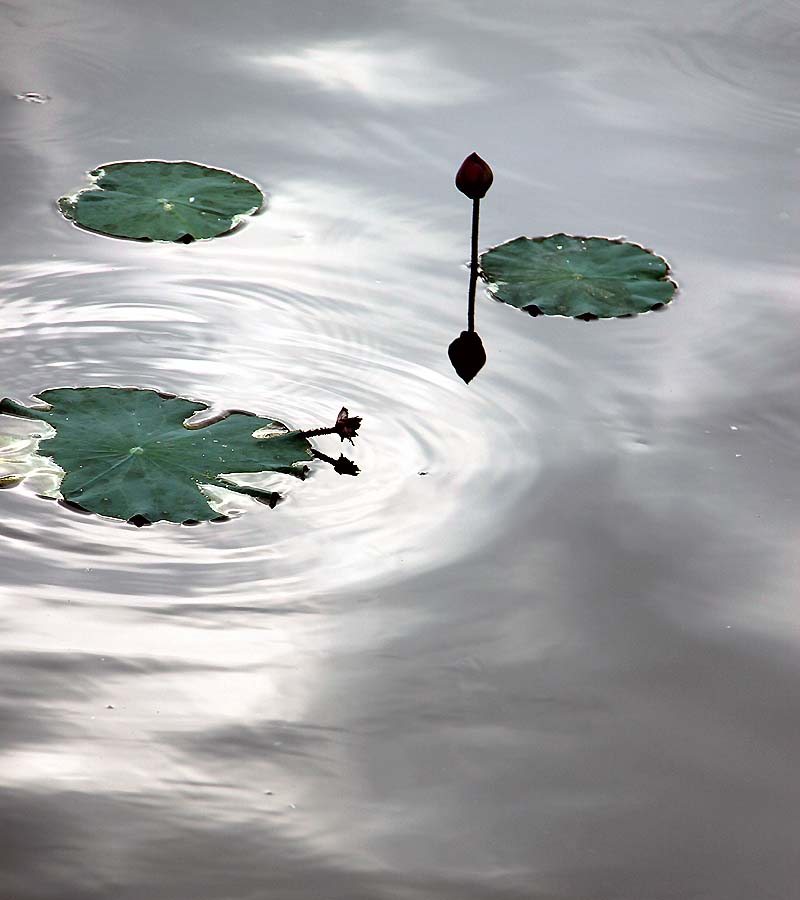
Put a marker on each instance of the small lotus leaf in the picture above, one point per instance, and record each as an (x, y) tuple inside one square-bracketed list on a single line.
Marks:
[(162, 201), (563, 275), (127, 453)]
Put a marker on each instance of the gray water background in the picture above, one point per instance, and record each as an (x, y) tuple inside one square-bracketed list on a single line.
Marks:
[(561, 665)]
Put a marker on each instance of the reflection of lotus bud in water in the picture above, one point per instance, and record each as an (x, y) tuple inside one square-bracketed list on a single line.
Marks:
[(475, 177), (467, 355)]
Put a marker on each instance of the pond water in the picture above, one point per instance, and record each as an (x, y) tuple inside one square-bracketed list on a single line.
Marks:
[(545, 646)]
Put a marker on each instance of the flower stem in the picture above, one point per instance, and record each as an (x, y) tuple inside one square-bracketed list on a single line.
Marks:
[(318, 431), (473, 266)]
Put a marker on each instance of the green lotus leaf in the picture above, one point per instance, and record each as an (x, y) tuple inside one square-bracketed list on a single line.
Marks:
[(585, 277), (129, 454), (162, 201)]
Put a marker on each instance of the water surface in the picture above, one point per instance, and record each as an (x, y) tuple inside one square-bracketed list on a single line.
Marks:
[(545, 646)]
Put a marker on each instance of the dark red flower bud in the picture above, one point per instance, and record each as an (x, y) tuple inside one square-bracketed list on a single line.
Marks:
[(474, 178)]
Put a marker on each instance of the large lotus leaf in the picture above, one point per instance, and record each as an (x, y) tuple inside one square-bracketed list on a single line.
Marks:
[(562, 275), (128, 454), (162, 201)]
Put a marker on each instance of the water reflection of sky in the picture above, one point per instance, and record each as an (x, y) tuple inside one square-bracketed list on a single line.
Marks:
[(559, 664), (378, 71)]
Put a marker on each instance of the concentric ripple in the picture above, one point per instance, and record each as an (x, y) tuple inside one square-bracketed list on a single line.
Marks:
[(437, 461)]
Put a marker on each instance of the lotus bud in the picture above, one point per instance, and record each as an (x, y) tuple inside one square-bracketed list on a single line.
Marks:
[(475, 177)]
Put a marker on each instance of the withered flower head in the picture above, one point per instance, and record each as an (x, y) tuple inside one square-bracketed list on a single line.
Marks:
[(346, 426)]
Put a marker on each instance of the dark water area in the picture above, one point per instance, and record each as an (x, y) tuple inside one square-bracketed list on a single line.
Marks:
[(545, 646)]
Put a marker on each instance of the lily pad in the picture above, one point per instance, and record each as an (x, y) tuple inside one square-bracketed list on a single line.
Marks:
[(162, 201), (585, 277), (129, 454)]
